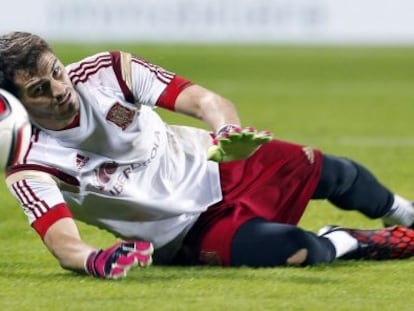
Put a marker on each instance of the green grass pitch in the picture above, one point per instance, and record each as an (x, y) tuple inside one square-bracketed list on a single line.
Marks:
[(351, 101)]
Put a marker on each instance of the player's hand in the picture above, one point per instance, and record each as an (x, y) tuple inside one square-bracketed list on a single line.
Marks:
[(115, 262), (233, 143)]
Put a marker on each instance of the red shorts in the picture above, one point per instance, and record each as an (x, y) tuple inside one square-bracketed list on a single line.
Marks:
[(275, 184)]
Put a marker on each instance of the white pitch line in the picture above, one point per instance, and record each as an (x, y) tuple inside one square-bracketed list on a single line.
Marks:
[(377, 141), (365, 141)]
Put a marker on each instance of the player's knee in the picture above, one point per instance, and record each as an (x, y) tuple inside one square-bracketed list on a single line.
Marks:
[(260, 243), (337, 177), (307, 249), (298, 258)]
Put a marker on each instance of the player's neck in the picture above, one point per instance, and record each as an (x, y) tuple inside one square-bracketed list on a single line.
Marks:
[(58, 125), (74, 123)]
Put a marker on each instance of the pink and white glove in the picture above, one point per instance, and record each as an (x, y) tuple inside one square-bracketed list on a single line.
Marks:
[(115, 262), (232, 143)]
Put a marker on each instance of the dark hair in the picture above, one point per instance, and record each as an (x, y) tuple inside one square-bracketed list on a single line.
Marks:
[(19, 51)]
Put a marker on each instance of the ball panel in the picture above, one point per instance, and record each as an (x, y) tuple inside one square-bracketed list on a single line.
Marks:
[(4, 108), (15, 130), (6, 138), (20, 142)]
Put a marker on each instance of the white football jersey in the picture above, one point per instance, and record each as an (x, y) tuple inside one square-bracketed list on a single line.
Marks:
[(122, 169)]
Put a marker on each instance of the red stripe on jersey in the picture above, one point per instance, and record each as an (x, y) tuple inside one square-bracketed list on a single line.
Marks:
[(54, 214), (35, 202), (28, 199), (44, 215), (170, 94), (52, 171), (34, 138), (88, 68), (91, 72), (25, 200), (91, 63), (116, 65), (35, 134), (161, 74)]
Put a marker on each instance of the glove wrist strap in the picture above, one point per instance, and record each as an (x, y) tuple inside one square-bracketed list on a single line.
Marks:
[(226, 128), (89, 265)]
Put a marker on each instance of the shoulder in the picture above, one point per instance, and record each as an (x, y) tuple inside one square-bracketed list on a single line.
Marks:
[(23, 172), (41, 174), (100, 60), (89, 62), (97, 66), (88, 67)]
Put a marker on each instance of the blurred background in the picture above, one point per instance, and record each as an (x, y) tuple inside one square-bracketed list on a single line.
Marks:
[(216, 21), (334, 74)]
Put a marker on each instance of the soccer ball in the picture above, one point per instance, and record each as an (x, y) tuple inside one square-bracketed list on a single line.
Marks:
[(15, 130)]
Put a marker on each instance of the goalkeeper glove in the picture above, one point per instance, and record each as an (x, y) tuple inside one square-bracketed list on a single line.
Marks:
[(233, 143), (115, 262)]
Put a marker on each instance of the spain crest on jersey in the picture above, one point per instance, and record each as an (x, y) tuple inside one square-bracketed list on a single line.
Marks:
[(120, 115)]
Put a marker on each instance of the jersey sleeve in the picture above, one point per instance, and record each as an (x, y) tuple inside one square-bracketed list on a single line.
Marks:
[(171, 92), (40, 198), (145, 83)]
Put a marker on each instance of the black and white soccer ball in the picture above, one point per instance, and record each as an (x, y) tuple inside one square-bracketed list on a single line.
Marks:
[(15, 130)]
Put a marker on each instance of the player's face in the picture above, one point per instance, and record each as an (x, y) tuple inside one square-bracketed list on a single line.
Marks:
[(48, 95)]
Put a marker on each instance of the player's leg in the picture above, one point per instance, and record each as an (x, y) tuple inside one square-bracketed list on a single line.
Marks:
[(260, 243), (351, 186)]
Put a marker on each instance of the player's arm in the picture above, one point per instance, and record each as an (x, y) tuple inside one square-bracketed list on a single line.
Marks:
[(43, 203), (231, 142), (207, 106), (64, 242), (152, 85), (149, 84)]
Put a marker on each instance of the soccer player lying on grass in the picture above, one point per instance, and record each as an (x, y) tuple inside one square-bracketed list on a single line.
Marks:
[(100, 154)]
